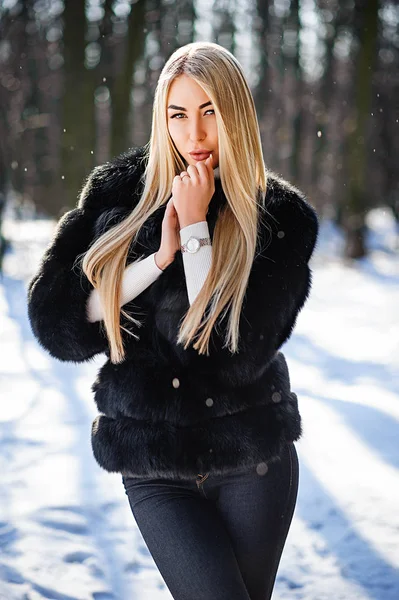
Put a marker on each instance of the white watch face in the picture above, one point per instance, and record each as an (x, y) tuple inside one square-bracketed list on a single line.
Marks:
[(193, 244)]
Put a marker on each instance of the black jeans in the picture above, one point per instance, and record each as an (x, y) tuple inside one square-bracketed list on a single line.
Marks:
[(218, 537)]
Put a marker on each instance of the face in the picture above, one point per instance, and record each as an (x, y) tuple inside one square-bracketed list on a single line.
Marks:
[(191, 125)]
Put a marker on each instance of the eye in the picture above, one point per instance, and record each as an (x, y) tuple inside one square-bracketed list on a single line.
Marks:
[(182, 114)]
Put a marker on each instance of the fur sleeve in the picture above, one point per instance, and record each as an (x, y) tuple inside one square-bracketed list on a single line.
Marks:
[(58, 292)]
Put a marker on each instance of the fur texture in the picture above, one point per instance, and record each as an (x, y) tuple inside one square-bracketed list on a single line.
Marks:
[(228, 411)]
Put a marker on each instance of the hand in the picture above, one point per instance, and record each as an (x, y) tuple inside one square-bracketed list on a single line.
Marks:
[(170, 239), (192, 192)]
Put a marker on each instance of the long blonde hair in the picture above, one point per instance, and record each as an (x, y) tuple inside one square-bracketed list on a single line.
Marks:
[(243, 177)]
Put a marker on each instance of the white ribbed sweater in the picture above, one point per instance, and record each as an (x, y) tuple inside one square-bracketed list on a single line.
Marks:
[(138, 276)]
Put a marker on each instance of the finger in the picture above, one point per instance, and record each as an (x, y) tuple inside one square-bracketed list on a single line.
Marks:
[(205, 168), (203, 171), (193, 173), (209, 165), (170, 207)]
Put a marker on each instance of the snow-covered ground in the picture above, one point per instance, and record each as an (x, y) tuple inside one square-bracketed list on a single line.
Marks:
[(66, 528)]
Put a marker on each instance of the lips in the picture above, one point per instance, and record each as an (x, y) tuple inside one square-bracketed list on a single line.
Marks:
[(200, 155)]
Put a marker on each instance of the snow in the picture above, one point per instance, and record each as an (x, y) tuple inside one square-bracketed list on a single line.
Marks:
[(66, 527)]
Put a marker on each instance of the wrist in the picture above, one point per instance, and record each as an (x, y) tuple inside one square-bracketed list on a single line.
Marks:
[(191, 220), (161, 261)]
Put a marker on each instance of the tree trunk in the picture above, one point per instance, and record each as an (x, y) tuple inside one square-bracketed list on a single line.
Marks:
[(366, 21)]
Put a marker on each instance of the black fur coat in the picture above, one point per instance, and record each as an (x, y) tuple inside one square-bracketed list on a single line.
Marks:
[(166, 411)]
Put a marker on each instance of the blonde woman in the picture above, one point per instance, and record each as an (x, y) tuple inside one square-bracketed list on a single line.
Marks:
[(186, 263)]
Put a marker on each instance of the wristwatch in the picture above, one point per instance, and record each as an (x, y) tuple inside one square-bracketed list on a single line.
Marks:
[(193, 244)]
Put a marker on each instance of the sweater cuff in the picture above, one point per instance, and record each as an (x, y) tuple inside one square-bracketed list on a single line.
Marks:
[(199, 229), (136, 278)]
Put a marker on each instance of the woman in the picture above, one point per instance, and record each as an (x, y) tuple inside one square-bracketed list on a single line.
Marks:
[(197, 412)]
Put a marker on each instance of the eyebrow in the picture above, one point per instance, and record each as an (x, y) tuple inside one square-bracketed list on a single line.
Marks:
[(185, 109)]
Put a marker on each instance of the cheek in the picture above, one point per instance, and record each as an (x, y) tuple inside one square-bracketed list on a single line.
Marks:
[(213, 131), (175, 132)]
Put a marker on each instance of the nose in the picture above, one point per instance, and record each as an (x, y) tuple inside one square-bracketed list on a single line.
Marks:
[(196, 131)]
